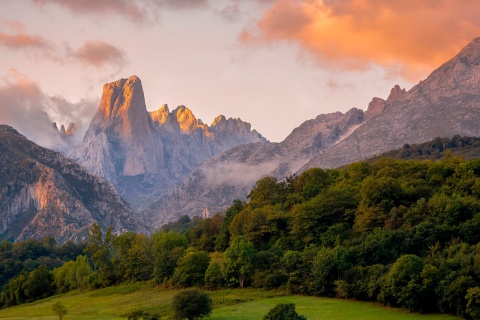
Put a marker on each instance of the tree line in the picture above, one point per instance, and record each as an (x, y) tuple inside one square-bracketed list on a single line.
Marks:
[(404, 233)]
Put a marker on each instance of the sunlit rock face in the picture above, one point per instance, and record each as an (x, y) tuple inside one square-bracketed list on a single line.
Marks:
[(144, 154), (42, 193)]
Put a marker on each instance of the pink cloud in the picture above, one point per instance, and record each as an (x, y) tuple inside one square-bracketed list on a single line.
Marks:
[(99, 53), (136, 11), (410, 36), (21, 40), (126, 8)]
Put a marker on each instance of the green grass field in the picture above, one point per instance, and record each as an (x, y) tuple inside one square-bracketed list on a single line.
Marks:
[(234, 304)]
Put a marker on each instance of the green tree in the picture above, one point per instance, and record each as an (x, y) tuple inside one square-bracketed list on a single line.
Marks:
[(168, 247), (213, 275), (283, 311), (38, 284), (266, 191), (99, 248), (239, 261), (191, 268), (138, 260), (473, 302), (59, 309), (204, 234), (223, 239), (191, 304), (403, 285)]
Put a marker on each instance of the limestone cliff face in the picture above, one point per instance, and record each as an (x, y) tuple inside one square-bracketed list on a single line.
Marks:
[(43, 193), (144, 154), (445, 104), (119, 141)]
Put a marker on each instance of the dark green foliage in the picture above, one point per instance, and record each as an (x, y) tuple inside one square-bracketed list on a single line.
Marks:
[(168, 247), (27, 287), (223, 239), (191, 304), (30, 254), (214, 276), (473, 302), (204, 234), (402, 285), (239, 263), (182, 225), (283, 311), (467, 147), (191, 268)]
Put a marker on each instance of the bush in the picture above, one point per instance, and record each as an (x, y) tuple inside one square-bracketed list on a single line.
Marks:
[(59, 309), (283, 311), (191, 304)]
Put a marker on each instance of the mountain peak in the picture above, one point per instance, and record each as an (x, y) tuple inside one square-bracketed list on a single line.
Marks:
[(122, 97), (218, 119), (186, 119), (161, 115), (396, 93)]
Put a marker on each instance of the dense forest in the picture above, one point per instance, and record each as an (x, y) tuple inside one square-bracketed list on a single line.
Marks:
[(405, 233)]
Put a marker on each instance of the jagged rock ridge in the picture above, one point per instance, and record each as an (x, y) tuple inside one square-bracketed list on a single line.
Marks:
[(42, 193), (445, 104), (144, 154)]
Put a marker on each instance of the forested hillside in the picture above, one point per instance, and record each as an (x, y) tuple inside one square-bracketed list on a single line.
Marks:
[(404, 233), (465, 147)]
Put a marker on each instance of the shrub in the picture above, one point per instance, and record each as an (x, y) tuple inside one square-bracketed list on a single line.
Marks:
[(283, 311), (191, 304)]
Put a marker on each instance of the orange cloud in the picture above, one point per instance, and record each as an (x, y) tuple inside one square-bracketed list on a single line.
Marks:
[(406, 36), (20, 40), (98, 53)]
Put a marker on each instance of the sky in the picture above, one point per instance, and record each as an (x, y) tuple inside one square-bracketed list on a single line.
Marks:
[(272, 63)]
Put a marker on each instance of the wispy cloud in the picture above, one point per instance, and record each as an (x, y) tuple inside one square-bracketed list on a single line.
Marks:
[(99, 53), (95, 53), (126, 8), (140, 12), (405, 36), (17, 39)]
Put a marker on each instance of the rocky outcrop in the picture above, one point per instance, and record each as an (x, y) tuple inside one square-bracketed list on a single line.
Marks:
[(144, 154), (395, 94), (43, 193)]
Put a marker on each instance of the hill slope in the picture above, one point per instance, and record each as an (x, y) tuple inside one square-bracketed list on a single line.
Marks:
[(42, 193)]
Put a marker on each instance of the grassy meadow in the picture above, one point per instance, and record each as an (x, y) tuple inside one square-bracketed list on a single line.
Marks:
[(234, 304)]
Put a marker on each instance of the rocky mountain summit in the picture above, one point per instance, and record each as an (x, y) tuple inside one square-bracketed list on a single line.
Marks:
[(445, 104), (144, 154), (43, 193)]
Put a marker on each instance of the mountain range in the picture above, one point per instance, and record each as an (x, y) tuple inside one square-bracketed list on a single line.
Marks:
[(445, 104), (166, 164), (144, 154)]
